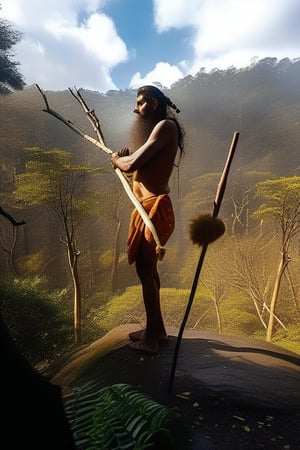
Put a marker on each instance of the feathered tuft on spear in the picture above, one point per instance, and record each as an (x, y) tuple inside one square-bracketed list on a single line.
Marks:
[(206, 229)]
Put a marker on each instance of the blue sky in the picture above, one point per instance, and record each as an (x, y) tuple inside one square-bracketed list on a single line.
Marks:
[(118, 44), (135, 24)]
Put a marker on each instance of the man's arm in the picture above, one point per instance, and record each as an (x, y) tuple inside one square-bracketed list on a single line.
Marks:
[(162, 135)]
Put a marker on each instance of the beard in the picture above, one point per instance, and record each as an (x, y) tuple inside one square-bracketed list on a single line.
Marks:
[(139, 133)]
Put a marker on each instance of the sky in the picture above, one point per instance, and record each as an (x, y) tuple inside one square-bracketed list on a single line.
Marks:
[(104, 45)]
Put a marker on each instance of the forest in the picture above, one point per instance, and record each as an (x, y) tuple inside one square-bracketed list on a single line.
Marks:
[(71, 250)]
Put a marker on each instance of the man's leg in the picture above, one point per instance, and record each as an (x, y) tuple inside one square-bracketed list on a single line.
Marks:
[(159, 328), (146, 263)]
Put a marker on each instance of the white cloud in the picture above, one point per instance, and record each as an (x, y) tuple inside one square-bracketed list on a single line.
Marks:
[(71, 42), (163, 73), (231, 32), (175, 13), (60, 48), (36, 12), (97, 36)]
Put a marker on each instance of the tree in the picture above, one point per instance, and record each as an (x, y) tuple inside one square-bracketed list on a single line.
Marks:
[(7, 249), (251, 272), (10, 77), (52, 181), (216, 290), (282, 208)]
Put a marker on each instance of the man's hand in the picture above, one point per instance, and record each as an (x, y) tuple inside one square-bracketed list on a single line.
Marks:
[(123, 152), (116, 155)]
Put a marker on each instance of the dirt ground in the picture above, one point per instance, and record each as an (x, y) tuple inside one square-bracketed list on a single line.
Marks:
[(229, 392)]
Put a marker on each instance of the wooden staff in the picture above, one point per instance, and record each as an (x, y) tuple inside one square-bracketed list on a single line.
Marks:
[(216, 209), (100, 143)]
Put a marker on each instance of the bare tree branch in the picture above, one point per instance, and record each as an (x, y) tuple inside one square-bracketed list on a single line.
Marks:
[(10, 218)]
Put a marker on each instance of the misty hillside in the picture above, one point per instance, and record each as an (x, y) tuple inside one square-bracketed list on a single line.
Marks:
[(262, 102)]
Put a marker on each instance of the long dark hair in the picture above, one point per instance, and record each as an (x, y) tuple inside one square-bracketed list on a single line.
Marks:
[(164, 109)]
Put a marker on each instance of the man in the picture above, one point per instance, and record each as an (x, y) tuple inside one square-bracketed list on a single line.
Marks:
[(152, 164)]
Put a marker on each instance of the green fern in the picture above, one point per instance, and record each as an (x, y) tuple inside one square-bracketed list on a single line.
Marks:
[(118, 417)]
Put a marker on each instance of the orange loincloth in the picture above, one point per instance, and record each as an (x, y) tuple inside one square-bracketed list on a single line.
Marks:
[(160, 211)]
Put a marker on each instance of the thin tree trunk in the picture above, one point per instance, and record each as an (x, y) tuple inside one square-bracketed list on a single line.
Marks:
[(259, 313), (218, 316), (77, 304), (73, 264), (292, 287), (281, 268), (11, 253)]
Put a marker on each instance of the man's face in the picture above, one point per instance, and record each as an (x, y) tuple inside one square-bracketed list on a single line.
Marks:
[(144, 123), (143, 107)]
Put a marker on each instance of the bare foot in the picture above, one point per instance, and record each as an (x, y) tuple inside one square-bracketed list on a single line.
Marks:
[(143, 347), (136, 335), (140, 334)]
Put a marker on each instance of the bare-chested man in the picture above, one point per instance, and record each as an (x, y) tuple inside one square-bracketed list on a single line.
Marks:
[(152, 166)]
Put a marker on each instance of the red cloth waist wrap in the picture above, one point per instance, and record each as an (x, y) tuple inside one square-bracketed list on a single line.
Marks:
[(160, 211)]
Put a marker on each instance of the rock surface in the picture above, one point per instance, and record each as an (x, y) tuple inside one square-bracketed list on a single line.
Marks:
[(231, 392)]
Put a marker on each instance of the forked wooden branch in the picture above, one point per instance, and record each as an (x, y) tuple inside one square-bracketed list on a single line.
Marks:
[(100, 143), (72, 126), (217, 204), (92, 117)]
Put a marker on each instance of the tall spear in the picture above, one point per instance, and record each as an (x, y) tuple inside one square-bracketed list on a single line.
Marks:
[(209, 230)]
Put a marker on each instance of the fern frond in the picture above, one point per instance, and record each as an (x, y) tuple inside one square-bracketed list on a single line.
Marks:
[(116, 417)]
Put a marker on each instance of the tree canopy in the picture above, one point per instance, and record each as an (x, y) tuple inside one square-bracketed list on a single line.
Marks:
[(282, 203), (10, 77)]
